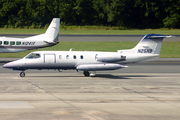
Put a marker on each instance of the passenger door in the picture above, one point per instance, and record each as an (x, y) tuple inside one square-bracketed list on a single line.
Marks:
[(49, 58)]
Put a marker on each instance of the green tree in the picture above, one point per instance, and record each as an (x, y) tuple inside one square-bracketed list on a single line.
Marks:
[(172, 19), (122, 13)]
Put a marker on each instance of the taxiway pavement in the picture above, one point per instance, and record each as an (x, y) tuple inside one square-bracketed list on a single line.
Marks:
[(142, 91), (71, 96)]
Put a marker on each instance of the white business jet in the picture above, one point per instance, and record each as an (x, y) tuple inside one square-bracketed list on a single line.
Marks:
[(90, 61), (49, 38)]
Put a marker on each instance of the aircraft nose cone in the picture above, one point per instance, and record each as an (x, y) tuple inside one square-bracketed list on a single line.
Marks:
[(14, 64), (7, 65), (4, 66)]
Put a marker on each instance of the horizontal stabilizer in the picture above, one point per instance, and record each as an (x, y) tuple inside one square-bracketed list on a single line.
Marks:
[(157, 37)]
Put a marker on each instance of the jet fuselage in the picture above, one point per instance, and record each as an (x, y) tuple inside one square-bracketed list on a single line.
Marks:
[(73, 59)]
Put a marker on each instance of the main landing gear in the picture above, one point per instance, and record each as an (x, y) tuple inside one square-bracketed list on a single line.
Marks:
[(22, 74), (87, 73)]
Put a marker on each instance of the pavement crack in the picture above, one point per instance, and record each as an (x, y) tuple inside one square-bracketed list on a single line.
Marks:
[(133, 91)]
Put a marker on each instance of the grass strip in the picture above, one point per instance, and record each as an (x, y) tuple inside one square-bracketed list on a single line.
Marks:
[(168, 50), (93, 32)]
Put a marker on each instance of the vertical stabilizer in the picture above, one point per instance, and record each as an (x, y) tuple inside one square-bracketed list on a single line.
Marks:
[(51, 34), (149, 44)]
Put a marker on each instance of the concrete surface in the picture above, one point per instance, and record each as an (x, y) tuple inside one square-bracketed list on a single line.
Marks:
[(71, 96)]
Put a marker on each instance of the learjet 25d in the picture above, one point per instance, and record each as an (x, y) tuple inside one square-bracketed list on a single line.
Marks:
[(49, 38), (89, 62)]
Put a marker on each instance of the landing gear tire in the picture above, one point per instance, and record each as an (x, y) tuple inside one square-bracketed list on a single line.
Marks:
[(93, 74), (86, 73), (22, 74)]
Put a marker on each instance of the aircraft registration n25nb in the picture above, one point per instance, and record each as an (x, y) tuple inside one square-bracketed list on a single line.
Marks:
[(49, 38), (90, 61)]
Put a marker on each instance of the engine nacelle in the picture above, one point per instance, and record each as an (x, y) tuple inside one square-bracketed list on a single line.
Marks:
[(110, 58)]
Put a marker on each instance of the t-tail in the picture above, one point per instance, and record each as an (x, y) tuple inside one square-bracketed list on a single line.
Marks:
[(149, 44), (148, 48), (51, 34)]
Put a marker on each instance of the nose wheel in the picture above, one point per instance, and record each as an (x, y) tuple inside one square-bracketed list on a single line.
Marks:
[(22, 74)]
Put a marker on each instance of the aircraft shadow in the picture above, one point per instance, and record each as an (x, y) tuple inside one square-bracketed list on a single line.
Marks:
[(110, 76), (107, 76)]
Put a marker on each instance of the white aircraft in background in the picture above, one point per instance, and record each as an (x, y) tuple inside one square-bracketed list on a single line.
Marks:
[(90, 61), (49, 38)]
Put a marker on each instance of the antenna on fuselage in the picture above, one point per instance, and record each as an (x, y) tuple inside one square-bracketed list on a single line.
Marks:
[(71, 49)]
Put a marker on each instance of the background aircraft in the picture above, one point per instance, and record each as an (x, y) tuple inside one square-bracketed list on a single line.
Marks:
[(90, 61), (49, 38)]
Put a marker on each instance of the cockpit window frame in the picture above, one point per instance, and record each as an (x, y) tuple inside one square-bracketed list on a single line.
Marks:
[(33, 56)]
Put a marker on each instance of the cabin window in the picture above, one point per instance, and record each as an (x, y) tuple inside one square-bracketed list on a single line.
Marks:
[(33, 56), (60, 56), (6, 42), (0, 42), (67, 56), (12, 43), (74, 56), (96, 56), (81, 56), (18, 43)]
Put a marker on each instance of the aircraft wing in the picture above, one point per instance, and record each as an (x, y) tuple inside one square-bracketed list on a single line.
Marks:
[(99, 67)]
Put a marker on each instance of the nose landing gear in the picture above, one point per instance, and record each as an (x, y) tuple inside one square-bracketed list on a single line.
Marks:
[(22, 74)]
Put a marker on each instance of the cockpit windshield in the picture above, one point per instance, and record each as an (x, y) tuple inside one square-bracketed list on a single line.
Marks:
[(33, 56)]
